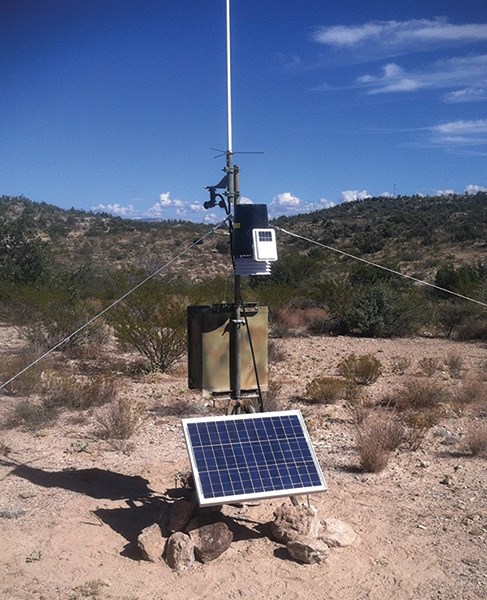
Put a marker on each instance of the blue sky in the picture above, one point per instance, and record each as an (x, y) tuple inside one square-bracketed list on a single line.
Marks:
[(116, 105)]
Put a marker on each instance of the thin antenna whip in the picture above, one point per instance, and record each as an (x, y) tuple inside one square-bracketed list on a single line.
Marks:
[(229, 84)]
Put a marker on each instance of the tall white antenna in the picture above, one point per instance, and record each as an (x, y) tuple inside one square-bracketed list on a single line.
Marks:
[(229, 84)]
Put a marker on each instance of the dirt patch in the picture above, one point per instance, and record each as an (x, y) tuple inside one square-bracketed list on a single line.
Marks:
[(72, 505)]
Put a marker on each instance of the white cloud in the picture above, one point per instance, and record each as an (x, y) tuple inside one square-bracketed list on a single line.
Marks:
[(115, 209), (440, 193), (415, 34), (196, 207), (165, 201), (245, 200), (325, 203), (210, 218), (351, 195), (286, 200), (473, 189), (460, 133), (469, 74), (471, 94)]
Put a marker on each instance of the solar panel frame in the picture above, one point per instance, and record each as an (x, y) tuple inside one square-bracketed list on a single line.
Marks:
[(251, 457)]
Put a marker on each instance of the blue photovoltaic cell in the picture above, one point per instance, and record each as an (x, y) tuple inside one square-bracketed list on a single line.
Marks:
[(251, 456)]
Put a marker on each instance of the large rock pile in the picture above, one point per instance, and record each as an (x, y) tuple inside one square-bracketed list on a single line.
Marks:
[(186, 532)]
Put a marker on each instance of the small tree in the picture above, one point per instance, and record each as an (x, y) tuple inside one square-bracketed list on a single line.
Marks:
[(152, 320)]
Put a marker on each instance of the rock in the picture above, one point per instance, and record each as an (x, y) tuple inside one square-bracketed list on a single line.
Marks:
[(151, 543), (337, 534), (180, 515), (307, 550), (211, 540), (292, 522), (179, 551)]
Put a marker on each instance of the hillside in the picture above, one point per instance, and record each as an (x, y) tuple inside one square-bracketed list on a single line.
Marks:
[(418, 234), (75, 237)]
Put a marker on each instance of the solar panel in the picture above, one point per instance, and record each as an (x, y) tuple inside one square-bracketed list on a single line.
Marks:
[(251, 456)]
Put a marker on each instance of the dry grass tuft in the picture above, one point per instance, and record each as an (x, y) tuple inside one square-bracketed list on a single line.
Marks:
[(472, 391), (67, 391), (476, 439), (400, 364), (377, 436), (122, 419), (429, 365), (454, 362), (31, 415)]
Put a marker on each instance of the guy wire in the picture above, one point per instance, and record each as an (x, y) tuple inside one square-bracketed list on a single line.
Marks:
[(113, 304), (373, 264)]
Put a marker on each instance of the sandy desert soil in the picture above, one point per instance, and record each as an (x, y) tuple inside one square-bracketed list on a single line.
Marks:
[(72, 505)]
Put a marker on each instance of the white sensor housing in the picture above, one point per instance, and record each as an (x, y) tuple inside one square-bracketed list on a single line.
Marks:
[(264, 244)]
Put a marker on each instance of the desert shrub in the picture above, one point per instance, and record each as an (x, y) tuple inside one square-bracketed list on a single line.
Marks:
[(429, 365), (472, 391), (450, 316), (53, 312), (67, 391), (377, 436), (325, 390), (152, 320), (400, 364), (363, 370), (419, 394), (377, 310), (415, 431), (476, 439), (31, 415), (474, 328), (122, 419), (454, 363), (360, 409), (27, 383)]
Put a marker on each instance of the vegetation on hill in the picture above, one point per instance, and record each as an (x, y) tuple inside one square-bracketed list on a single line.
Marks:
[(59, 267)]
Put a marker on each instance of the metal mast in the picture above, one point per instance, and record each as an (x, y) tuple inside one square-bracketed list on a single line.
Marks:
[(233, 197)]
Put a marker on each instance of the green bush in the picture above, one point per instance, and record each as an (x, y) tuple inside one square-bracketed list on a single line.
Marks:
[(152, 320), (362, 370)]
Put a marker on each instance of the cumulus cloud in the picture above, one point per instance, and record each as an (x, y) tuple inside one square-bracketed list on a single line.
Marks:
[(440, 193), (286, 200), (245, 200), (165, 202), (352, 195), (474, 189)]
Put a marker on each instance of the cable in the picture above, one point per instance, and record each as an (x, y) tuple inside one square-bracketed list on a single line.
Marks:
[(368, 262), (256, 370), (105, 310)]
